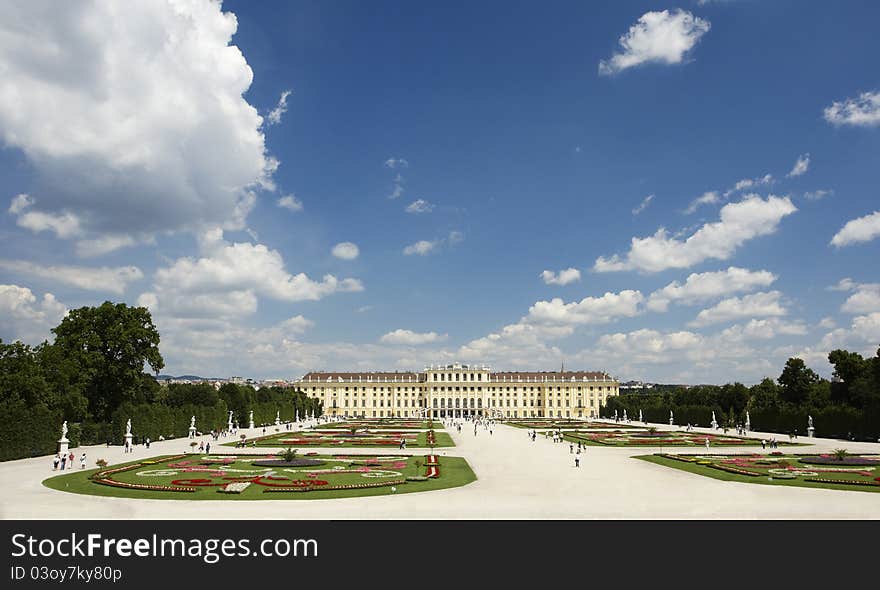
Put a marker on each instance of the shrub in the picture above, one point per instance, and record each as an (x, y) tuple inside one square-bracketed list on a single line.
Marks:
[(101, 463)]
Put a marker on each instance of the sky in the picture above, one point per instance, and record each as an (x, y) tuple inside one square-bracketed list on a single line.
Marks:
[(680, 193)]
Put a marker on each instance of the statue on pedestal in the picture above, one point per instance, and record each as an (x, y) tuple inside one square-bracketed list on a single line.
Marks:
[(128, 427), (64, 430), (192, 423), (809, 421)]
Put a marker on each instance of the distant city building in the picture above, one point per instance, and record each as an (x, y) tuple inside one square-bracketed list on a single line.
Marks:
[(458, 390)]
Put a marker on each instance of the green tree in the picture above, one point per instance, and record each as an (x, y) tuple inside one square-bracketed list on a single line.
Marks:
[(764, 395), (796, 380), (111, 344)]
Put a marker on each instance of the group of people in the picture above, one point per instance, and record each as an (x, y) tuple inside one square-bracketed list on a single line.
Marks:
[(772, 443), (66, 460)]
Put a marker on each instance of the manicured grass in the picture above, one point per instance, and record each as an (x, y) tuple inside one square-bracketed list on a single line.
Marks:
[(391, 424), (541, 424), (453, 472), (763, 476), (663, 439), (326, 438)]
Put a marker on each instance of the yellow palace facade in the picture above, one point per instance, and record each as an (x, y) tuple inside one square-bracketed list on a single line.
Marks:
[(459, 390)]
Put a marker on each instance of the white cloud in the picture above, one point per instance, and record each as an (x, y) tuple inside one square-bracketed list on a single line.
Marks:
[(641, 207), (765, 304), (865, 299), (563, 277), (346, 250), (422, 247), (763, 329), (395, 163), (828, 323), (112, 280), (747, 183), (420, 206), (862, 229), (290, 202), (455, 237), (707, 198), (657, 37), (589, 310), (409, 337), (818, 194), (20, 203), (133, 119), (862, 336), (740, 222), (275, 114), (227, 278), (863, 111), (699, 287), (24, 318), (800, 166)]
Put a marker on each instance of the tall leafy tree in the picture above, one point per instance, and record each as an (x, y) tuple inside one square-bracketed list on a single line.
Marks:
[(111, 344), (797, 381)]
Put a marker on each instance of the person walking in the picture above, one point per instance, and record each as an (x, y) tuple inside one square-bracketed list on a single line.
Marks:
[(56, 461), (707, 443), (763, 444), (63, 461), (577, 461), (571, 448), (70, 459), (82, 461), (208, 448)]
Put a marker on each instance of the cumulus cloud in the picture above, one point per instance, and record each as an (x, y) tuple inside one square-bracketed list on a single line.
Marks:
[(421, 248), (763, 329), (861, 229), (865, 297), (700, 287), (800, 166), (290, 202), (641, 207), (420, 206), (863, 111), (425, 247), (589, 310), (750, 218), (134, 119), (862, 335), (657, 37), (409, 337), (765, 304), (226, 279), (346, 251), (23, 317), (112, 280), (105, 244), (707, 198), (749, 183), (275, 114), (563, 277)]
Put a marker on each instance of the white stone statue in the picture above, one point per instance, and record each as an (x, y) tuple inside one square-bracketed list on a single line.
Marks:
[(192, 422), (64, 430), (640, 416), (251, 416), (128, 427), (810, 421), (624, 415), (230, 415), (297, 414), (278, 416)]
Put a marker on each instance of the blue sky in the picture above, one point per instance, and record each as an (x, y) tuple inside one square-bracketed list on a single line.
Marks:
[(457, 151)]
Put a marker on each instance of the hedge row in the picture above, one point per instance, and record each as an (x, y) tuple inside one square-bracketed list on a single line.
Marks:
[(28, 431)]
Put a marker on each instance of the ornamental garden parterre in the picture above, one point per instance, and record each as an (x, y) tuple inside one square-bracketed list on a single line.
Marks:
[(262, 476), (656, 438), (836, 471), (353, 436)]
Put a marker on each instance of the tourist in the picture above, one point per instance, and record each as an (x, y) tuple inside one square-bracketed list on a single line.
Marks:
[(208, 448), (82, 461), (707, 443), (201, 446), (55, 462), (147, 442), (763, 444), (63, 461), (570, 448), (577, 461), (71, 459)]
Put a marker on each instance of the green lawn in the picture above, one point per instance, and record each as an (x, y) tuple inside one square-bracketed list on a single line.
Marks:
[(370, 439), (663, 439), (763, 476), (392, 472)]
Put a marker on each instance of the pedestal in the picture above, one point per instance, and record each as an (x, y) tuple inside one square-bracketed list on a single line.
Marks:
[(192, 431), (715, 425), (63, 446), (128, 438), (671, 422), (810, 432), (251, 425), (229, 427)]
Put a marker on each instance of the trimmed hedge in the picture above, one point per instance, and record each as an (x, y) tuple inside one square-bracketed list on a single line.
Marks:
[(28, 431)]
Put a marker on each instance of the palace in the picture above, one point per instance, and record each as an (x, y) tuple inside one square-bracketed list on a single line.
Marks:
[(459, 390)]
